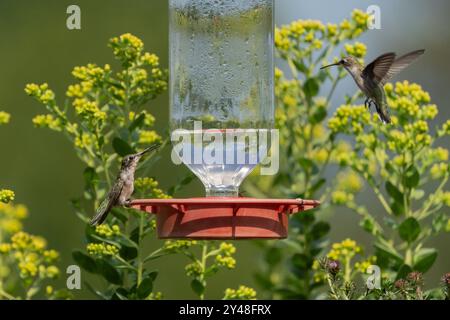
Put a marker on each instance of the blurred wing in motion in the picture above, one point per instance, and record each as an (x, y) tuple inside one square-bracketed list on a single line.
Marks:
[(108, 203), (379, 68), (401, 63)]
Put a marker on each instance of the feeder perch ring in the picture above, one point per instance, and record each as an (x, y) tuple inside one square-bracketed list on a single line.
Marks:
[(223, 217)]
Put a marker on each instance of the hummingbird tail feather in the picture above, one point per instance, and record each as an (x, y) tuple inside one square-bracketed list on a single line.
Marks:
[(99, 218), (102, 212), (383, 113)]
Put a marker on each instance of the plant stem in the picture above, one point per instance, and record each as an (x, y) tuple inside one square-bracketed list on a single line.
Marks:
[(139, 257), (424, 212), (409, 256), (203, 265), (5, 294)]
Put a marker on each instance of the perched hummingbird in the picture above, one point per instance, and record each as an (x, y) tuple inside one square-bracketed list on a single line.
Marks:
[(372, 78), (123, 187)]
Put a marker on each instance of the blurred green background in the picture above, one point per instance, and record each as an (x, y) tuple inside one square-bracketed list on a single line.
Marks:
[(41, 167)]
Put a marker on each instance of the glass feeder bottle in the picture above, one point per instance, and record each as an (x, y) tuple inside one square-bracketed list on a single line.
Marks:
[(221, 80)]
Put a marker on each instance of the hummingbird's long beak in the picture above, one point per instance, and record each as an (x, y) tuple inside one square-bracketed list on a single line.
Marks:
[(330, 65), (151, 148)]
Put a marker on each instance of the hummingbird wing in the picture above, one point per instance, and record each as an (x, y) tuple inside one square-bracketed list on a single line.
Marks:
[(107, 204), (401, 63), (378, 68)]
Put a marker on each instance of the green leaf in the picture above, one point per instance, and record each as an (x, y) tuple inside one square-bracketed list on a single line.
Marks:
[(300, 66), (318, 115), (122, 147), (263, 281), (197, 287), (90, 176), (96, 292), (320, 230), (417, 194), (369, 224), (301, 261), (412, 177), (145, 288), (389, 167), (120, 214), (127, 242), (424, 259), (84, 261), (397, 208), (128, 253), (387, 249), (152, 275), (394, 192), (120, 294), (109, 272), (137, 122), (311, 87), (308, 165), (403, 272), (439, 222), (316, 186), (273, 256), (409, 229)]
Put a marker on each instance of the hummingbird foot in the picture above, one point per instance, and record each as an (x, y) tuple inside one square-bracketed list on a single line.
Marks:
[(368, 103), (127, 203)]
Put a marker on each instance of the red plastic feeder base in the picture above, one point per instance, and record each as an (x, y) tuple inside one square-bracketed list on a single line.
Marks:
[(223, 217)]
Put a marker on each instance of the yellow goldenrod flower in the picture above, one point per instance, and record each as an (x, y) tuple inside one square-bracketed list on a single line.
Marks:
[(4, 117), (242, 293), (6, 195)]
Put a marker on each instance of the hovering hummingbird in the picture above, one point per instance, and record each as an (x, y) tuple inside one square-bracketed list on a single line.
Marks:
[(372, 78), (123, 187)]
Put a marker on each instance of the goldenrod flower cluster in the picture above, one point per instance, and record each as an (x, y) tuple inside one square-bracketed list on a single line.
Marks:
[(362, 266), (90, 75), (149, 120), (31, 256), (127, 47), (102, 249), (358, 49), (302, 37), (225, 261), (11, 217), (176, 245), (47, 121), (225, 258), (349, 181), (227, 249), (84, 140), (106, 231), (4, 117), (149, 186), (346, 249), (155, 296), (193, 269), (242, 293), (41, 92), (349, 118), (148, 137), (439, 170), (340, 197), (103, 100), (6, 195), (89, 110), (445, 130)]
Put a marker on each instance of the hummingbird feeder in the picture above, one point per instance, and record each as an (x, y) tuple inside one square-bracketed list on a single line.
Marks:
[(221, 119)]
